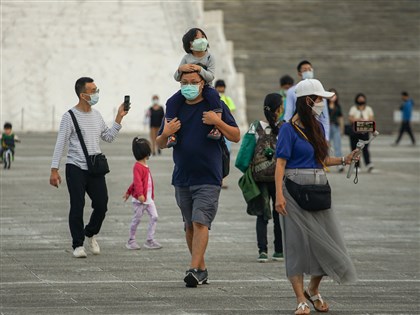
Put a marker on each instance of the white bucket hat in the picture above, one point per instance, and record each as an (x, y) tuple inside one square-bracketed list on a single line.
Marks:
[(312, 87)]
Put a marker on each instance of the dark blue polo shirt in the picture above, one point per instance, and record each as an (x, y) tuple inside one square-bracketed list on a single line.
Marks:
[(198, 159)]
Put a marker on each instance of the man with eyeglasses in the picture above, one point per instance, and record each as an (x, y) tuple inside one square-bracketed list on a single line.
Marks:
[(79, 181), (197, 174)]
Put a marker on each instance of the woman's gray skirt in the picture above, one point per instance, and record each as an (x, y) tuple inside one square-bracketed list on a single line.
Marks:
[(313, 241)]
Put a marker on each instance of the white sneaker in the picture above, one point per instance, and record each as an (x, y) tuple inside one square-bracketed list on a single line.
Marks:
[(93, 245), (152, 244), (79, 252)]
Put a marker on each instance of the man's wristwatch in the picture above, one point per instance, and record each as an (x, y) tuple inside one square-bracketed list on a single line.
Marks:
[(343, 161)]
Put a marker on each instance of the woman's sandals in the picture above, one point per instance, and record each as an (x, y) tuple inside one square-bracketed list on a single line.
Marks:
[(303, 308), (317, 297)]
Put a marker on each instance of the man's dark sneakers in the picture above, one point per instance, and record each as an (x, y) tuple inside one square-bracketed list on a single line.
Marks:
[(203, 276), (194, 277)]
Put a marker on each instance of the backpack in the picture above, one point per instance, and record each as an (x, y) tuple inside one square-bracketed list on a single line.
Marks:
[(263, 164)]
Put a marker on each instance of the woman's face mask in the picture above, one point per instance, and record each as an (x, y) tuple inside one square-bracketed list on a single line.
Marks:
[(361, 102), (317, 108)]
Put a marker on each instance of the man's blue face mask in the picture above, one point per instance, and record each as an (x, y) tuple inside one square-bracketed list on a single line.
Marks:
[(94, 98), (190, 91)]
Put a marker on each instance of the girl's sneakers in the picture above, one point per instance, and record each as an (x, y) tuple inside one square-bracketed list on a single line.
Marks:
[(131, 244), (152, 244)]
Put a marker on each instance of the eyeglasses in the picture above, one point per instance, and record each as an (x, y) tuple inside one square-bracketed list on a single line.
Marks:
[(94, 92), (190, 83)]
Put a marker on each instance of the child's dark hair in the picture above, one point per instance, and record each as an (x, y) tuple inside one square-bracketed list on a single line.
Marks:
[(141, 148), (189, 37), (7, 125), (272, 102)]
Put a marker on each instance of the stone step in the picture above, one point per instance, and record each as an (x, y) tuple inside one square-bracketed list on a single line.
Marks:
[(355, 46)]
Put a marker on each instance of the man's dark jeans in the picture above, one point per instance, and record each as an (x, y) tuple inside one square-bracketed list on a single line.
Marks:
[(79, 182)]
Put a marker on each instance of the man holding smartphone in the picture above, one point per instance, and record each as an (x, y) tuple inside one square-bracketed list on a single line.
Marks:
[(79, 181)]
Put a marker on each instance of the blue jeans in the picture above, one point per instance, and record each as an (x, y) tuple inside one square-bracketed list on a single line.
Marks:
[(335, 138)]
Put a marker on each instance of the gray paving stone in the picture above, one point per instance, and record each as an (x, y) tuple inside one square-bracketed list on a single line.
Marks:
[(379, 217)]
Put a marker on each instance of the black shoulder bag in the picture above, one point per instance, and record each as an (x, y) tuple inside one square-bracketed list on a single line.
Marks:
[(97, 163), (225, 158), (309, 197)]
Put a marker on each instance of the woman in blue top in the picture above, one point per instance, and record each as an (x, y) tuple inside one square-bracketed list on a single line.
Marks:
[(313, 241)]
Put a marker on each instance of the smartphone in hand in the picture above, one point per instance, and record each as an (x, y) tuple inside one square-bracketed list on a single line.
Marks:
[(127, 103), (364, 126)]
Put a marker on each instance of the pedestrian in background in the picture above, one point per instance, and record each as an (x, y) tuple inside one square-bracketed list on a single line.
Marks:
[(220, 87), (305, 71), (8, 141), (336, 124), (361, 112), (259, 166), (406, 109), (286, 82), (155, 115)]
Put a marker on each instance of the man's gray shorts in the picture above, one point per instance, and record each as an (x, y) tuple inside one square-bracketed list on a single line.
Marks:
[(198, 203)]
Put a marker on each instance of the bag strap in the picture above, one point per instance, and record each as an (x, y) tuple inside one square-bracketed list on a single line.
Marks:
[(303, 134), (79, 134)]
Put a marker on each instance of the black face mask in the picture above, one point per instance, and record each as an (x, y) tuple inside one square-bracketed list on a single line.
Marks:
[(360, 103)]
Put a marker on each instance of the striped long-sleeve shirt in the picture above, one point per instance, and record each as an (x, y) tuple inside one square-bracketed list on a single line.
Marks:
[(93, 128)]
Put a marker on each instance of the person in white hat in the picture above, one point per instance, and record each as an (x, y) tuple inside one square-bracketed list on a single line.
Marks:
[(313, 241), (305, 71)]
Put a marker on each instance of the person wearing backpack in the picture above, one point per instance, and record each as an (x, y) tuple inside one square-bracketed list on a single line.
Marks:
[(256, 160)]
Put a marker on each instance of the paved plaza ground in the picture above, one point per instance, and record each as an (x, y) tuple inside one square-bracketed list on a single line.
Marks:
[(379, 217)]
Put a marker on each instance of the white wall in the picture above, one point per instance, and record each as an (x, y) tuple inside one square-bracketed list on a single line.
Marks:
[(127, 47)]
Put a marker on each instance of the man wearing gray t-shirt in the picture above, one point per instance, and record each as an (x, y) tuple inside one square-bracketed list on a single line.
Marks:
[(79, 181)]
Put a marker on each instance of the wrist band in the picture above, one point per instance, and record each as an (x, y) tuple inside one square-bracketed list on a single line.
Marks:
[(343, 161)]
